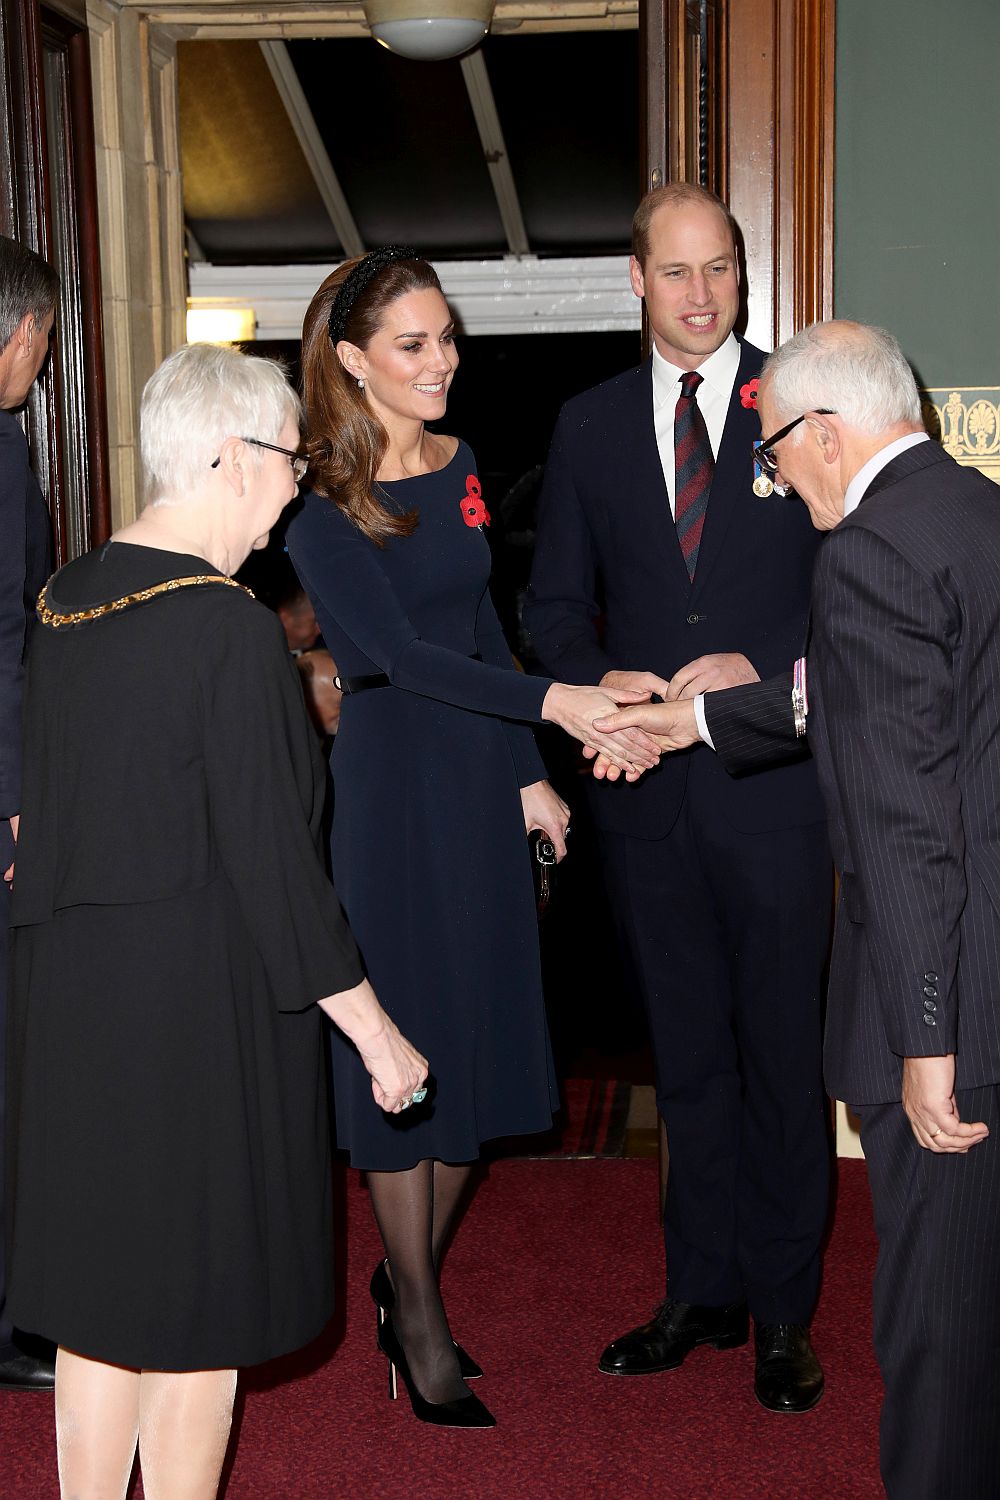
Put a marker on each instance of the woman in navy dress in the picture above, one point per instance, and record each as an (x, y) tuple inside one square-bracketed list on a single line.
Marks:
[(437, 779)]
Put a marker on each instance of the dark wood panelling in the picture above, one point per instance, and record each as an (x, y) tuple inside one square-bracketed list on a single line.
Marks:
[(761, 136)]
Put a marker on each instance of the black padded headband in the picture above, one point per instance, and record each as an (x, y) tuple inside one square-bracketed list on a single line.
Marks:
[(357, 279)]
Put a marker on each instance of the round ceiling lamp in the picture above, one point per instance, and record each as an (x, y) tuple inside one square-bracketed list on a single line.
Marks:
[(429, 30)]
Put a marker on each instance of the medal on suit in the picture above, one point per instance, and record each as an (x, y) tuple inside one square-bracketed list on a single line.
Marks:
[(762, 485)]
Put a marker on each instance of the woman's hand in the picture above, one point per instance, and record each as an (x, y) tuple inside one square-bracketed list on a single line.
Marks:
[(575, 709), (397, 1068), (672, 725), (544, 810)]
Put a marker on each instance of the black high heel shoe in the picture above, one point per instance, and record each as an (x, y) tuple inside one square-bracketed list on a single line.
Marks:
[(384, 1299), (467, 1411)]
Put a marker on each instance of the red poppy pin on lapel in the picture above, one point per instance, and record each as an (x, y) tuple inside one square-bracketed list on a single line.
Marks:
[(748, 394)]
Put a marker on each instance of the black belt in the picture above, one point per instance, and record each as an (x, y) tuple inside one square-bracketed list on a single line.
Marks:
[(360, 684), (373, 680)]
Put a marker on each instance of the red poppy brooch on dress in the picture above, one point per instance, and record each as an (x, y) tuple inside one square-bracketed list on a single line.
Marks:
[(748, 394), (474, 512)]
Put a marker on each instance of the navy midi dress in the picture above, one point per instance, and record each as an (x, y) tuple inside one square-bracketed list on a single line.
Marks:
[(429, 851)]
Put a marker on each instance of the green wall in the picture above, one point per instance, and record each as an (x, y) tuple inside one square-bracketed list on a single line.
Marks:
[(918, 180)]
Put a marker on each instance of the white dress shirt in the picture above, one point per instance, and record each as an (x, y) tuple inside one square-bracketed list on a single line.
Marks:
[(718, 376), (855, 493)]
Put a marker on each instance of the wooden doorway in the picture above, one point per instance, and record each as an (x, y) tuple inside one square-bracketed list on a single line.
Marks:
[(739, 96), (48, 201)]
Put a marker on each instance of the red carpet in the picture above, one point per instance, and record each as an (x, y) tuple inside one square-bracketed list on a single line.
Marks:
[(591, 1122), (554, 1259)]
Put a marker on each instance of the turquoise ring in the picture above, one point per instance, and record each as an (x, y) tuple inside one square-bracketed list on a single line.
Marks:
[(420, 1095)]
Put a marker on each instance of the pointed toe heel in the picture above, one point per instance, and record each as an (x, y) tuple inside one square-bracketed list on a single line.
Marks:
[(384, 1299), (467, 1412)]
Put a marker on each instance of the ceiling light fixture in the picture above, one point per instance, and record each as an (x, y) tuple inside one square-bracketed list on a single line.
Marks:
[(429, 30)]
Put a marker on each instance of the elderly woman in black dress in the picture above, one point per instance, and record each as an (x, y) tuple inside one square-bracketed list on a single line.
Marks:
[(437, 778), (175, 941)]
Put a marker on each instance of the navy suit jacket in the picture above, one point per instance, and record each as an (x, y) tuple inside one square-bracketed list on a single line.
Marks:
[(610, 589), (24, 566)]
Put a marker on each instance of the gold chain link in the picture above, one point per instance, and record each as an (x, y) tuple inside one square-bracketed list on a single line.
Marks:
[(115, 606)]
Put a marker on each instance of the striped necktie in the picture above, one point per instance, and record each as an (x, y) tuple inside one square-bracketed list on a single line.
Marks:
[(694, 466)]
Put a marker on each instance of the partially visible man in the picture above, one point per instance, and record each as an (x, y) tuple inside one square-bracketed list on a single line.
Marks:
[(294, 609), (318, 675), (653, 545), (28, 292), (904, 676)]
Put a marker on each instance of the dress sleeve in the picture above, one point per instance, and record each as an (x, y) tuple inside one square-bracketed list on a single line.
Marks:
[(364, 603), (265, 806), (493, 648)]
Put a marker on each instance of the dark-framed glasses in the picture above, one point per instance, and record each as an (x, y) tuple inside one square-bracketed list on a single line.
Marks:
[(298, 461), (763, 449)]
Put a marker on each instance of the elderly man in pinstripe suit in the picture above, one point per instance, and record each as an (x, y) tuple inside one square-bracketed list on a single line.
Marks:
[(904, 666)]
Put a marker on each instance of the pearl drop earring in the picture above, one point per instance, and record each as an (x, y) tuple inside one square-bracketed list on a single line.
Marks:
[(361, 385)]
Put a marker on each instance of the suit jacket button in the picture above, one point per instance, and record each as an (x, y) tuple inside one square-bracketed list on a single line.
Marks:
[(929, 1021), (930, 992), (693, 619), (929, 1005), (931, 978)]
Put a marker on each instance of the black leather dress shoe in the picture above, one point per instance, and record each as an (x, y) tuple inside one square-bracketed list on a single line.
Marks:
[(788, 1376), (25, 1372), (668, 1338)]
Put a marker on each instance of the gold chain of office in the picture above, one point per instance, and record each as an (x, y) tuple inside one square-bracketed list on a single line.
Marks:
[(115, 606)]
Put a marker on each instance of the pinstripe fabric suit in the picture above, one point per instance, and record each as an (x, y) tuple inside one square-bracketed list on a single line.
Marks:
[(905, 729)]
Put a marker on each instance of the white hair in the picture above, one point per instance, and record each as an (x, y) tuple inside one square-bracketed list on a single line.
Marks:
[(851, 368), (197, 398)]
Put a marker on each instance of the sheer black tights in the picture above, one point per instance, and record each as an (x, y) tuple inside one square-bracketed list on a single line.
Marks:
[(415, 1211)]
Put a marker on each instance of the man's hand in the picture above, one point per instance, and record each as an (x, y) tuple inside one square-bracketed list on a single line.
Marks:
[(634, 682), (929, 1101), (707, 674), (671, 725)]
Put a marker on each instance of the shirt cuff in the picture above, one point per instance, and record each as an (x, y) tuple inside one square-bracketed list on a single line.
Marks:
[(701, 721)]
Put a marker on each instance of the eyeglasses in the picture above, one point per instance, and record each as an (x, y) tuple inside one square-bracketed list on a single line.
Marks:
[(763, 448), (298, 461)]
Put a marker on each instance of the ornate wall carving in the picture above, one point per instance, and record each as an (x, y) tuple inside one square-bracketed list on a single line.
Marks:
[(966, 422)]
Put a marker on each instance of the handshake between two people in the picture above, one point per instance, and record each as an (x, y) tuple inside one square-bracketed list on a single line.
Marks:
[(631, 738)]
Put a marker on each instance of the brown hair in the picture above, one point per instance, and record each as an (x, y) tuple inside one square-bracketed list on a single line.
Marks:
[(673, 195), (345, 440)]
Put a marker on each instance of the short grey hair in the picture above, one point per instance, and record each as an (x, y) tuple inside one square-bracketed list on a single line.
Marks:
[(28, 285), (197, 398), (858, 371)]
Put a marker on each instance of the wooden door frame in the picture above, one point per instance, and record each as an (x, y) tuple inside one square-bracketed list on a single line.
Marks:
[(26, 215), (770, 147)]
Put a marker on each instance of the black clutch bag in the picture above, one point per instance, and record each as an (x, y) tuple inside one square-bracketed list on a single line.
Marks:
[(543, 863)]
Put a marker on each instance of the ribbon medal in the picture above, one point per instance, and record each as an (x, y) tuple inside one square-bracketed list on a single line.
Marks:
[(762, 483)]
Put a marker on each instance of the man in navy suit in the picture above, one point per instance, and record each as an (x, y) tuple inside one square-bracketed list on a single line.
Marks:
[(655, 557), (28, 292)]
